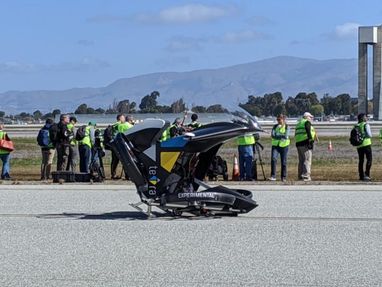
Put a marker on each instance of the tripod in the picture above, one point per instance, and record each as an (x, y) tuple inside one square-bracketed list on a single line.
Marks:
[(257, 148)]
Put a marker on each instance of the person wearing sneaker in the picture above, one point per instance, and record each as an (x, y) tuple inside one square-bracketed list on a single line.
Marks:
[(305, 136), (364, 149), (280, 145)]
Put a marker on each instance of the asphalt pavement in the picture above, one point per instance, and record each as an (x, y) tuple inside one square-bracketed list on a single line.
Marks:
[(88, 235)]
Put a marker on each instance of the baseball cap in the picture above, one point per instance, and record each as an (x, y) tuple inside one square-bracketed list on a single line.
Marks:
[(308, 115)]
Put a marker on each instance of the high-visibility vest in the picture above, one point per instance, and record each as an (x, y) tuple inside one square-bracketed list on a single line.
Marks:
[(86, 140), (247, 139), (195, 125), (2, 136), (281, 142), (70, 128), (166, 134), (366, 140), (300, 132)]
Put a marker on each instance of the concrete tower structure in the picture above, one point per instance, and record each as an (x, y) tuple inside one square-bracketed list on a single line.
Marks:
[(370, 36)]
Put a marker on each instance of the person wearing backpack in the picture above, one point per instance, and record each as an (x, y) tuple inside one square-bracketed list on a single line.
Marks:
[(305, 135), (63, 138), (73, 155), (5, 155), (280, 145), (85, 139), (120, 126), (47, 149), (364, 149)]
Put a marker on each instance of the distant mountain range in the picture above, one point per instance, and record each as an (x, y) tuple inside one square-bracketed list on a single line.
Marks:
[(226, 86)]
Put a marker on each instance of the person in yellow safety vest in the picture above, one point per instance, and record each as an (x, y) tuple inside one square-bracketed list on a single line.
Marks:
[(305, 135), (121, 126), (280, 145), (364, 149), (85, 146), (5, 155), (173, 130), (73, 155), (245, 148)]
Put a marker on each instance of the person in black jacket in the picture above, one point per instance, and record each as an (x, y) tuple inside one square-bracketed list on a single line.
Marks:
[(63, 138)]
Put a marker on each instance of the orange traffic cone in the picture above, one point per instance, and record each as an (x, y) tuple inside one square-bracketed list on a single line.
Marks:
[(235, 170), (330, 146)]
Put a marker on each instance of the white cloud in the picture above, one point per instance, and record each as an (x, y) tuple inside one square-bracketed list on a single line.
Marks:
[(347, 30), (189, 13)]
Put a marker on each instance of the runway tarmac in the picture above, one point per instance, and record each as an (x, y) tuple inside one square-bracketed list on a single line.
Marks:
[(88, 235)]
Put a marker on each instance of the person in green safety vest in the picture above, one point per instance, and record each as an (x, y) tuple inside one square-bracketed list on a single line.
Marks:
[(72, 156), (305, 135), (364, 149), (5, 155), (280, 145), (245, 148), (85, 147), (173, 130), (121, 126)]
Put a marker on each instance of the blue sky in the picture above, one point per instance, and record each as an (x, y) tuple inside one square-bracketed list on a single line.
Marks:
[(59, 44)]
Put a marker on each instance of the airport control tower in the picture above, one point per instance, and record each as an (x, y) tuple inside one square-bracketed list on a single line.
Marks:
[(371, 35)]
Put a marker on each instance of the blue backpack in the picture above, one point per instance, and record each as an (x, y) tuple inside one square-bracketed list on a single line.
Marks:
[(43, 139)]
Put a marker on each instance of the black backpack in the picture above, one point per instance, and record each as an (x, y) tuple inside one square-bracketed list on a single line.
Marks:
[(81, 133), (108, 135), (356, 136)]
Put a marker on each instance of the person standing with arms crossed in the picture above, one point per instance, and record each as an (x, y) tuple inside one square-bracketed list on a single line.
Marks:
[(305, 135)]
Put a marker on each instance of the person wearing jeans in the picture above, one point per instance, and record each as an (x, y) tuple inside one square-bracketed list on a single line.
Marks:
[(245, 149), (280, 146), (5, 156)]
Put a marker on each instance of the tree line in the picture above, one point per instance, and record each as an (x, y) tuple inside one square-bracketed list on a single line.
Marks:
[(270, 104), (274, 104)]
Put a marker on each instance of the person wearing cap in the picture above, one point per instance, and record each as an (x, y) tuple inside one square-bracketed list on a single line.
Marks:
[(72, 156), (364, 149), (280, 145), (305, 135), (85, 147)]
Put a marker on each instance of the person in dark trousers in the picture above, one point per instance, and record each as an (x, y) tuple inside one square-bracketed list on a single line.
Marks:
[(63, 142), (120, 126), (305, 135), (85, 147), (280, 145), (364, 149), (47, 152), (73, 155), (5, 155)]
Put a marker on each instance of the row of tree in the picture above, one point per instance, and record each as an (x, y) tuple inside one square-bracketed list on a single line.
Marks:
[(267, 105), (149, 104), (274, 104)]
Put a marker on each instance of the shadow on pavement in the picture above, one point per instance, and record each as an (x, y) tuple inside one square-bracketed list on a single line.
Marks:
[(121, 215)]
